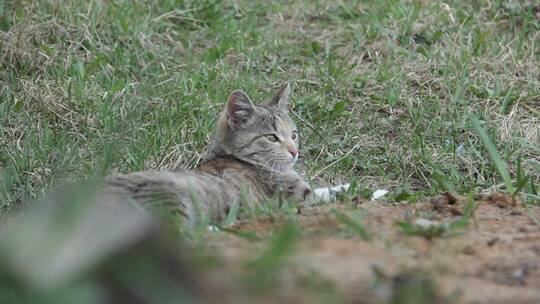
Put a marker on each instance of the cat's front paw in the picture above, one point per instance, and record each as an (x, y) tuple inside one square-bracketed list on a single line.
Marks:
[(299, 191)]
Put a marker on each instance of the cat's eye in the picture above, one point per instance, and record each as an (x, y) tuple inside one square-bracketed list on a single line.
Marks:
[(271, 138), (294, 135)]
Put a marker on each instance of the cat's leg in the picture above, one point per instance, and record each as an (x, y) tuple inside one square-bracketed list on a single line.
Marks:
[(298, 191), (292, 186), (296, 188)]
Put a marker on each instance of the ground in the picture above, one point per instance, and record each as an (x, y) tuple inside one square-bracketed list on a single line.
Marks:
[(416, 97), (494, 260)]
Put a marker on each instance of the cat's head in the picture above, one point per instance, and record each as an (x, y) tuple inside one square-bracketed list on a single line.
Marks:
[(262, 134)]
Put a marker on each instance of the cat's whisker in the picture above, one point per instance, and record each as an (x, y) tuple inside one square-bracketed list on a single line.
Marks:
[(267, 165)]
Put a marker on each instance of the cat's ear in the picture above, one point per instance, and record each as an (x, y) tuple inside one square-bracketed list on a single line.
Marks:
[(281, 99), (239, 108)]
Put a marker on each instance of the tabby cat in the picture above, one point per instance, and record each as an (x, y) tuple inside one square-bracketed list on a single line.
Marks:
[(251, 156)]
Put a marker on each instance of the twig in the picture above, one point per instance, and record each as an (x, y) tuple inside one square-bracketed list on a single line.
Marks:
[(336, 161), (307, 123)]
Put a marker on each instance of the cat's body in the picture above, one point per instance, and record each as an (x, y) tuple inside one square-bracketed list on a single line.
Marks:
[(212, 188), (252, 154)]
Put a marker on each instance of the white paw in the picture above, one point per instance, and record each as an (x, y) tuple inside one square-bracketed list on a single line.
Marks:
[(212, 228), (329, 194)]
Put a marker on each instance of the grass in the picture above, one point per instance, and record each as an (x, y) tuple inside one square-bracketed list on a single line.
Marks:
[(447, 228), (90, 88), (354, 225), (269, 262)]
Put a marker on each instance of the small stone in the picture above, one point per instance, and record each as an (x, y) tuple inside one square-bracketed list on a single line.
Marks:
[(492, 241), (358, 200), (439, 202), (500, 200), (469, 250), (425, 223), (455, 211), (452, 199), (479, 196)]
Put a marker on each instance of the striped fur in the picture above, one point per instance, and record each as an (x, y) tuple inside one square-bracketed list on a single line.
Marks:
[(254, 148)]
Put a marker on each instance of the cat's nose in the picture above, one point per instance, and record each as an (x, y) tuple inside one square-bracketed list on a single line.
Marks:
[(294, 152)]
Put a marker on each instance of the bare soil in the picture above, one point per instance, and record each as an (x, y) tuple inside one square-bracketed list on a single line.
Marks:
[(496, 259)]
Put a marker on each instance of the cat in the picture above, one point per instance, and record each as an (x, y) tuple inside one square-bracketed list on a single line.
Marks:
[(250, 158)]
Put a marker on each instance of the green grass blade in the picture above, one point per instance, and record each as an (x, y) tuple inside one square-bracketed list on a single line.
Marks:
[(250, 236), (355, 226), (265, 266), (443, 182), (232, 216), (500, 164)]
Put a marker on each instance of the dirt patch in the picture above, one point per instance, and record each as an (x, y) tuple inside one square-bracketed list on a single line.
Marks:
[(495, 259)]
